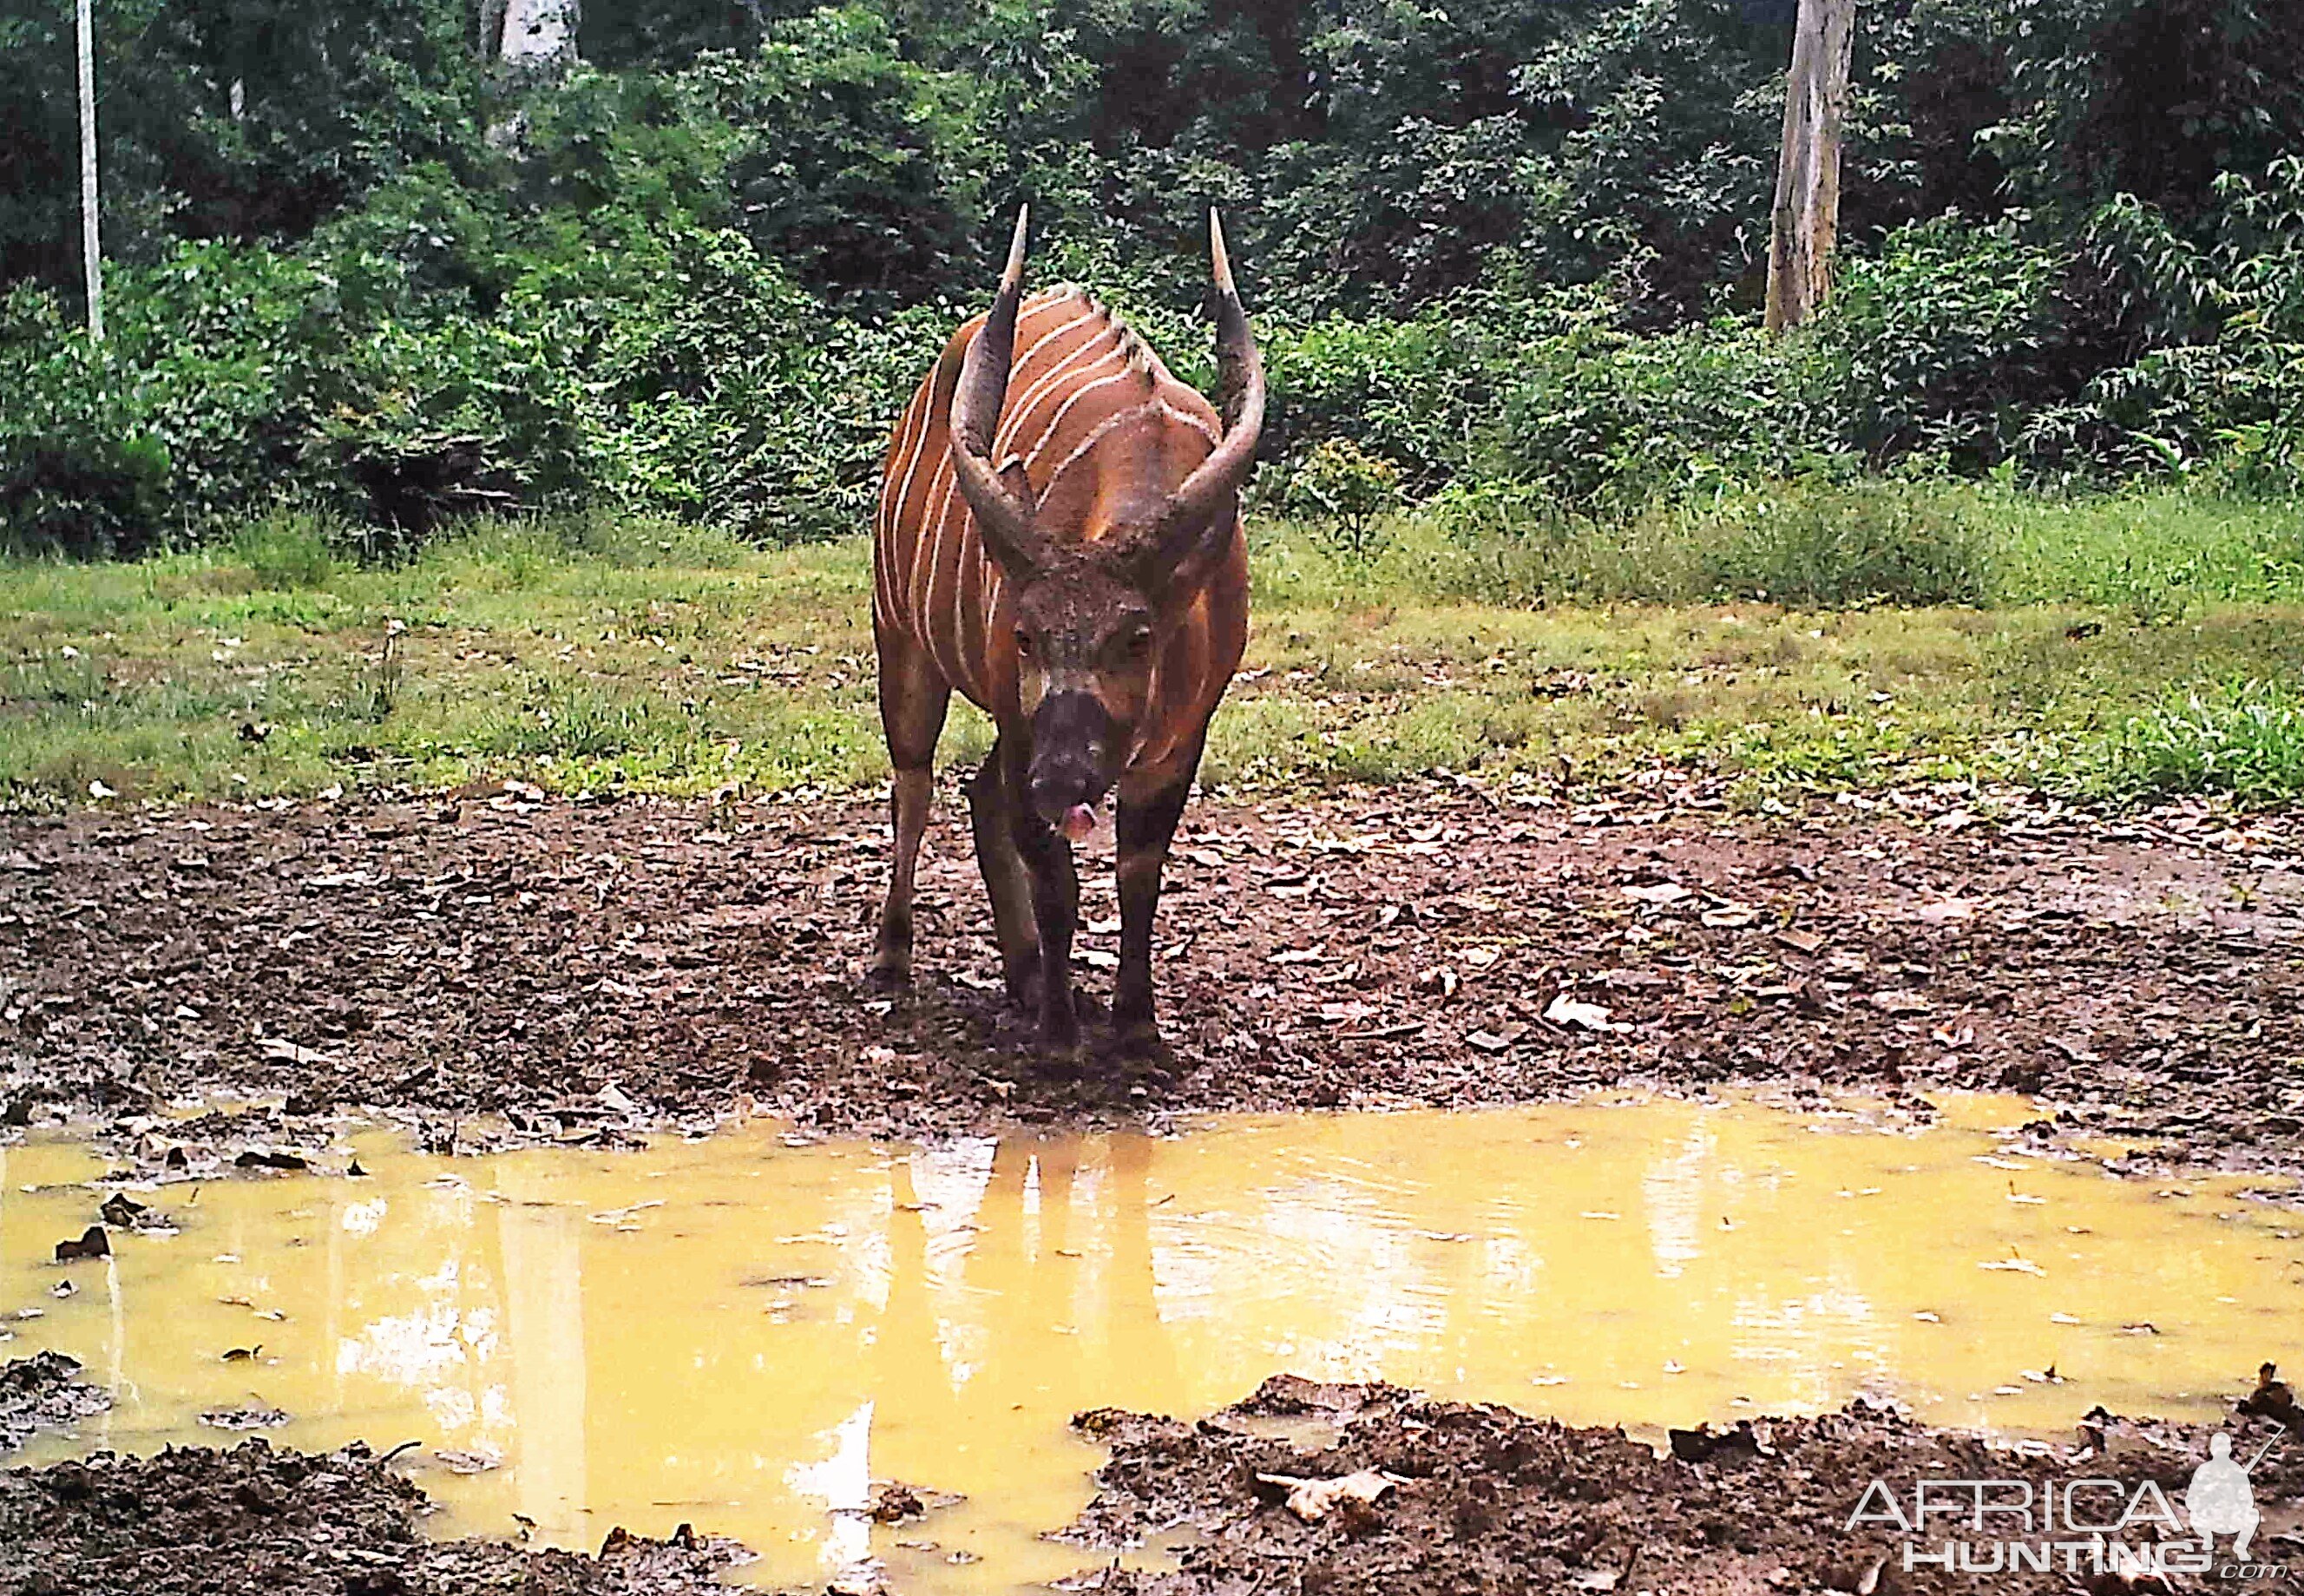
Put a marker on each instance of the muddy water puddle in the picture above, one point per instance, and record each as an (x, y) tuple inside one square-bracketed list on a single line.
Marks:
[(748, 1335)]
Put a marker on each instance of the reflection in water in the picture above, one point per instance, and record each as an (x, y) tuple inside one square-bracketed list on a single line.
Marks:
[(748, 1335)]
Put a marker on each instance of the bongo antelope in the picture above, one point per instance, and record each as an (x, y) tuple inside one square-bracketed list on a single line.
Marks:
[(1059, 539)]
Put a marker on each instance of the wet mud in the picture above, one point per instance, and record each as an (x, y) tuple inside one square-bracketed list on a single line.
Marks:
[(43, 1392), (255, 1519), (501, 969), (1457, 1497), (492, 970), (1485, 1499)]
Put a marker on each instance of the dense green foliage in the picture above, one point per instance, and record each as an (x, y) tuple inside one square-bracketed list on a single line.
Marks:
[(1500, 249)]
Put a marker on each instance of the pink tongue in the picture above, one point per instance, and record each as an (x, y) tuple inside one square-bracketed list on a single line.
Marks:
[(1079, 819)]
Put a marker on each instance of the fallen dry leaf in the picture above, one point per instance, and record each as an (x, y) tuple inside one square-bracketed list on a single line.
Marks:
[(1564, 1010), (1312, 1500)]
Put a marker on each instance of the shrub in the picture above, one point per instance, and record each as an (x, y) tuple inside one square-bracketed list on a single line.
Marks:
[(727, 394), (2155, 552), (2224, 385), (672, 370), (1952, 338), (412, 426), (568, 718), (189, 409), (1607, 420), (81, 473), (434, 355), (1346, 491), (1805, 543), (372, 690), (1420, 392), (639, 540), (419, 247), (287, 549), (830, 149), (234, 375)]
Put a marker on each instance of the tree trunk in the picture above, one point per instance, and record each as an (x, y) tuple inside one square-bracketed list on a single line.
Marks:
[(488, 43), (91, 247), (1806, 223), (538, 37)]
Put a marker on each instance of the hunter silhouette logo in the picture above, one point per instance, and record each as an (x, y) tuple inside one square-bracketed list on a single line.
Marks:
[(2092, 1526), (2220, 1501)]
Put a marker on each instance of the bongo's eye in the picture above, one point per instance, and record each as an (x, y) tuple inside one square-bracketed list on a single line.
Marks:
[(1023, 644)]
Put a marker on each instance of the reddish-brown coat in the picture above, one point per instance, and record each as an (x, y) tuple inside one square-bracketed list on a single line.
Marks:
[(1105, 434)]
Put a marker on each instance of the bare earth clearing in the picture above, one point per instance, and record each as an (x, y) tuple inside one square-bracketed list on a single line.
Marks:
[(493, 968), (500, 967)]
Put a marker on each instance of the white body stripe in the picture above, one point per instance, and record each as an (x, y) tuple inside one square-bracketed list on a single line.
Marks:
[(1066, 408), (1016, 409), (1039, 389), (1056, 422)]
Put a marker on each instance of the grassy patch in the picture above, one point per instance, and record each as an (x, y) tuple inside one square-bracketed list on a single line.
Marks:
[(2243, 737), (1907, 632), (287, 549), (1811, 544), (2155, 553)]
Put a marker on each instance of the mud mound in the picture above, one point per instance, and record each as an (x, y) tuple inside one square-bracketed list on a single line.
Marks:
[(284, 1524), (43, 1392), (1483, 1499)]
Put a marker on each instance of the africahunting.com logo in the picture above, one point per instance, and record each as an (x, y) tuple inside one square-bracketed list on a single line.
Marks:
[(2081, 1527)]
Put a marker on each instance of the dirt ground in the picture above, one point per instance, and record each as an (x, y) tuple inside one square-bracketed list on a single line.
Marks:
[(43, 1392), (497, 967), (1487, 1500), (257, 1520), (1471, 1499)]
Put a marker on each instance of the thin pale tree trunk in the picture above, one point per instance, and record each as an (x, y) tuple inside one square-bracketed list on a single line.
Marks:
[(1806, 223), (91, 248)]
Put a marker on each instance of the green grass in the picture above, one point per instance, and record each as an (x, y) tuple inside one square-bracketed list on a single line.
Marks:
[(2243, 737), (2111, 649), (2154, 553)]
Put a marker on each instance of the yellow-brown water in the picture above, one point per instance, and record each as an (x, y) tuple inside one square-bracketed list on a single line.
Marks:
[(745, 1335)]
